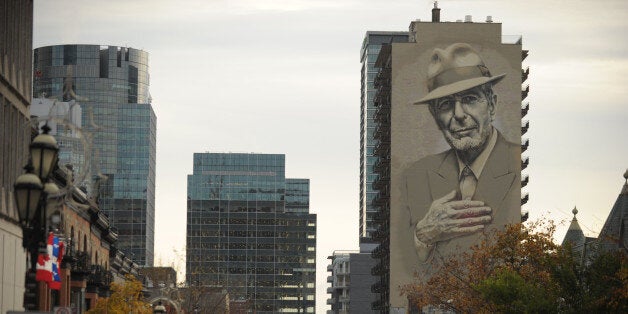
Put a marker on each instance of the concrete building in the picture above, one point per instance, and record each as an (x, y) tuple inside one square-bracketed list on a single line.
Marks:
[(351, 281), (16, 38), (249, 230), (111, 86), (403, 132)]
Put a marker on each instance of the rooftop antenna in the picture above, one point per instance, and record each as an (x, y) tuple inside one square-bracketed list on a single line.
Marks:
[(435, 13)]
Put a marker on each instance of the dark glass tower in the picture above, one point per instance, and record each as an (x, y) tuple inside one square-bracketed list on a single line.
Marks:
[(111, 85), (249, 230), (371, 46)]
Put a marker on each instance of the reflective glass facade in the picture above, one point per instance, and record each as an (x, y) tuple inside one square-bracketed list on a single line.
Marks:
[(249, 230), (368, 55), (111, 84)]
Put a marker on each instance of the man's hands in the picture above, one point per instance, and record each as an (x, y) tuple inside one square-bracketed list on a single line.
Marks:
[(447, 219)]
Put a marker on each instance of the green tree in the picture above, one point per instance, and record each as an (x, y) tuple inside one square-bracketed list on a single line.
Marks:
[(521, 270), (125, 298)]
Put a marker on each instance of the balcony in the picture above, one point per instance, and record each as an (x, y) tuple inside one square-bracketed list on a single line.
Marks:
[(380, 216), (525, 199), (524, 74), (525, 162), (380, 251), (330, 267), (381, 163), (524, 109), (377, 287), (525, 181), (330, 279), (380, 235), (99, 280), (382, 181), (81, 268), (525, 127), (330, 290), (524, 92), (524, 145), (524, 54)]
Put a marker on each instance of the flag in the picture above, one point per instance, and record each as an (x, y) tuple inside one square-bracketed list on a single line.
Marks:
[(44, 262), (57, 255)]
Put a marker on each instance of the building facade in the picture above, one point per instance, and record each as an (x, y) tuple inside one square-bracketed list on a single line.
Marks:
[(249, 230), (371, 45), (16, 38), (351, 282), (111, 86), (409, 143)]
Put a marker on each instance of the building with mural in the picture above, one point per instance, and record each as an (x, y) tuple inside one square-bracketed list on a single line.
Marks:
[(449, 139)]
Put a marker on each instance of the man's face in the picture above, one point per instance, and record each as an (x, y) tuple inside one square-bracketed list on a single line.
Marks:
[(465, 118)]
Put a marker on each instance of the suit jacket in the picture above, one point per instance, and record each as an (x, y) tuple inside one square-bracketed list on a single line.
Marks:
[(499, 187)]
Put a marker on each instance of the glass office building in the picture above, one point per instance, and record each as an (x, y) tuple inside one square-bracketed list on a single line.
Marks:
[(249, 230), (371, 46), (111, 84)]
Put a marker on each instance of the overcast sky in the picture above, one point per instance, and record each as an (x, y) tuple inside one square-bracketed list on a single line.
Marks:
[(283, 76)]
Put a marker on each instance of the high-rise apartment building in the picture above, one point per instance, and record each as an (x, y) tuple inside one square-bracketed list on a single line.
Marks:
[(417, 159), (111, 85), (249, 230), (351, 280), (16, 40), (371, 46)]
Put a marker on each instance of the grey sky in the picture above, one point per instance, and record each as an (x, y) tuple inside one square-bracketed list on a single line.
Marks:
[(283, 77)]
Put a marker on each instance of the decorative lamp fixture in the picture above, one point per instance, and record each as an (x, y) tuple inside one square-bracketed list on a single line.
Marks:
[(52, 197), (44, 153), (28, 190)]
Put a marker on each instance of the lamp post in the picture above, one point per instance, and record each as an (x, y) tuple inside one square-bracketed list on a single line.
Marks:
[(32, 204), (159, 308)]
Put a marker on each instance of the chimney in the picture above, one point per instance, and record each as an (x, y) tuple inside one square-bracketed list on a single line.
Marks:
[(435, 13)]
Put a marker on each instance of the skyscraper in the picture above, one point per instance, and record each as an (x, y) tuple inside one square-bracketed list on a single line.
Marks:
[(111, 84), (64, 120), (373, 41), (16, 40), (421, 89), (249, 230)]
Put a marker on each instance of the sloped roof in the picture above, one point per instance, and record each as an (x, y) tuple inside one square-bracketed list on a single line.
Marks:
[(614, 234), (574, 235)]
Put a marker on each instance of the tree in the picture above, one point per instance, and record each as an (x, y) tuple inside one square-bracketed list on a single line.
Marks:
[(521, 270), (126, 298)]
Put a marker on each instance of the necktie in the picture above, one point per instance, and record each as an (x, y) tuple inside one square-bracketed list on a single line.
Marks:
[(468, 182)]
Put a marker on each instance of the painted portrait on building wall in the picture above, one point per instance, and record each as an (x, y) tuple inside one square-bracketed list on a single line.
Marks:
[(455, 151)]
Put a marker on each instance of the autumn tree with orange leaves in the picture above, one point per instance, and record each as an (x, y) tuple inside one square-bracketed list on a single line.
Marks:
[(521, 270), (126, 297)]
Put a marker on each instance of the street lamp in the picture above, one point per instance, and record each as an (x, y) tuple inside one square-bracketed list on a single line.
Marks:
[(32, 204), (159, 308), (44, 153)]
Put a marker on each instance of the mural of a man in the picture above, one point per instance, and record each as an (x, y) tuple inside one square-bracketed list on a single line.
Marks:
[(453, 195)]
